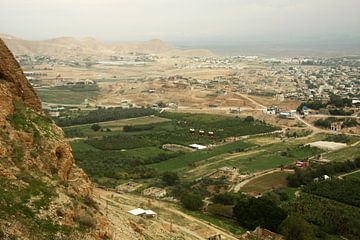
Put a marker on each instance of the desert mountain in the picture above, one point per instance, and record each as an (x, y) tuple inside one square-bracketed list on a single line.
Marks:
[(67, 47), (43, 194)]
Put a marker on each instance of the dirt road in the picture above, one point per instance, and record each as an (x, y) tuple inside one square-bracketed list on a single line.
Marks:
[(133, 201)]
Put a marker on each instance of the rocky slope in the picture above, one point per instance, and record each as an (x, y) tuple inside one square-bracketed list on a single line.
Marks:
[(43, 194)]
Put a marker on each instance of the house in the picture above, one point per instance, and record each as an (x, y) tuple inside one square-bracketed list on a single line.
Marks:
[(154, 192), (336, 126), (143, 213), (302, 164), (262, 234), (287, 115), (271, 110), (197, 146), (54, 113)]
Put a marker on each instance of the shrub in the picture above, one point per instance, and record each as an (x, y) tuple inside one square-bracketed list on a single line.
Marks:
[(170, 178), (294, 227), (191, 201), (86, 221), (249, 119), (261, 212), (95, 127)]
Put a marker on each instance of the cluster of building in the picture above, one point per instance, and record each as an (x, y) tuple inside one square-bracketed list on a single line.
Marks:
[(296, 78)]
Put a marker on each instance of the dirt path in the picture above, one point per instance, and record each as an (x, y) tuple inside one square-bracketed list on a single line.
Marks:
[(253, 101), (349, 173), (134, 200)]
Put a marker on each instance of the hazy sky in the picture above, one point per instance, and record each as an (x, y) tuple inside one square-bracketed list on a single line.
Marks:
[(185, 21)]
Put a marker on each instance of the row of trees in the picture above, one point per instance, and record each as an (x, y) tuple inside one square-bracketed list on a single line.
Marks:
[(101, 115), (306, 176), (335, 100), (342, 190)]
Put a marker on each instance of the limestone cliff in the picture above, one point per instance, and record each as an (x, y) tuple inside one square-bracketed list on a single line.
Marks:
[(43, 194)]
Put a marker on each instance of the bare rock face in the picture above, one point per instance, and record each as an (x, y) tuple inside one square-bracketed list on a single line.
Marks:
[(16, 81), (44, 188)]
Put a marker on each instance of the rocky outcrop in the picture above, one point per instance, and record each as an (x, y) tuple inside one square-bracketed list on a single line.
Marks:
[(16, 82), (47, 195)]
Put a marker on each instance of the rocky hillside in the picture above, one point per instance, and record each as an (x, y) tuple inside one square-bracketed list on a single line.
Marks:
[(69, 48), (43, 194)]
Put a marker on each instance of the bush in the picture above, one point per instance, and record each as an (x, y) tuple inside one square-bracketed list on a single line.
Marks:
[(228, 198), (294, 227), (95, 127), (130, 128), (86, 221), (170, 178), (191, 201), (249, 119), (324, 123), (261, 212)]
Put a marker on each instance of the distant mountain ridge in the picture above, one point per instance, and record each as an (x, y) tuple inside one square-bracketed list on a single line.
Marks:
[(64, 47)]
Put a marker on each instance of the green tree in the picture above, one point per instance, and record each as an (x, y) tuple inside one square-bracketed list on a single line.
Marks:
[(249, 119), (191, 201), (170, 178), (295, 227), (95, 127), (259, 212)]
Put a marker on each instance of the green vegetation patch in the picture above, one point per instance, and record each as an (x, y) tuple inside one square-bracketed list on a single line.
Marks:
[(342, 190), (23, 203), (118, 142), (331, 216), (68, 94), (102, 115), (193, 157), (266, 183)]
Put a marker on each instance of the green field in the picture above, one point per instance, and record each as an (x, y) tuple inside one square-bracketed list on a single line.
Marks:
[(67, 95), (137, 153), (261, 157), (191, 158), (266, 183), (115, 126), (348, 153)]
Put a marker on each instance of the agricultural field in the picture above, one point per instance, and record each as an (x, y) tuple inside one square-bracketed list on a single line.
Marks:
[(266, 183), (114, 127), (348, 153), (342, 190), (68, 95), (193, 159), (331, 216), (258, 158), (132, 148)]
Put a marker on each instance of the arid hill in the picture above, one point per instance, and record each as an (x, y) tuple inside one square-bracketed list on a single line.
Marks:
[(44, 195), (68, 47)]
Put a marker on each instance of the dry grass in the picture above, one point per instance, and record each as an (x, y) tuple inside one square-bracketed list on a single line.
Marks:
[(266, 183)]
